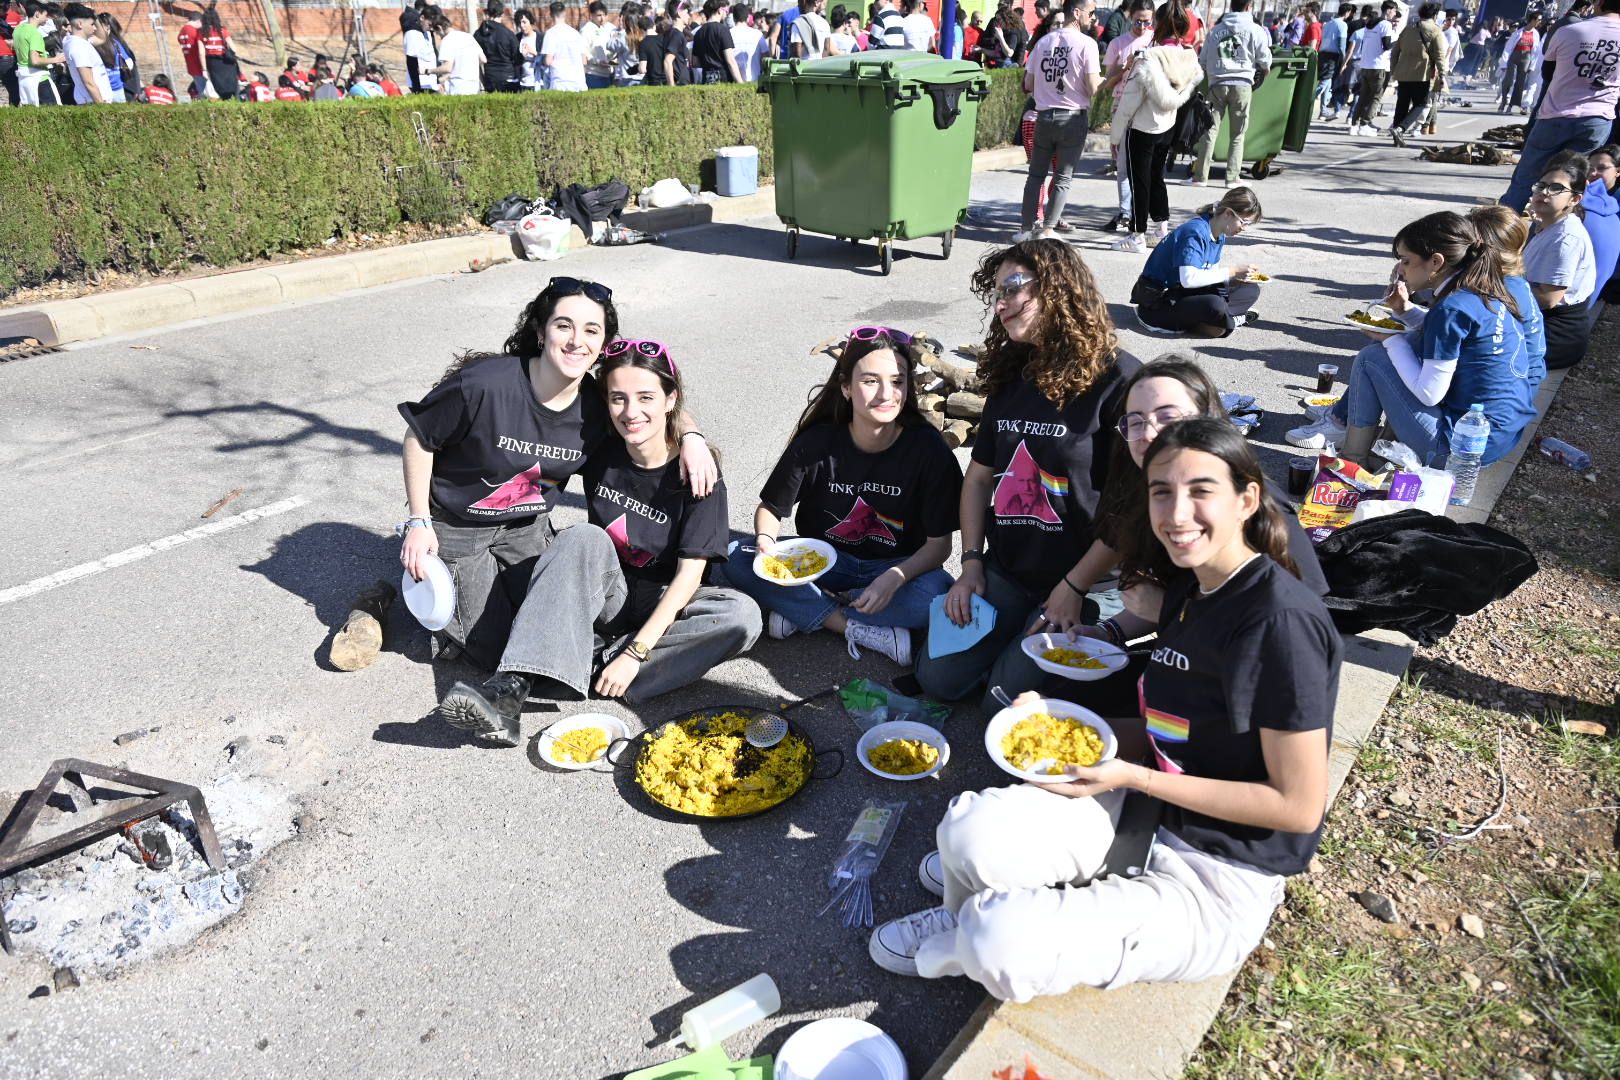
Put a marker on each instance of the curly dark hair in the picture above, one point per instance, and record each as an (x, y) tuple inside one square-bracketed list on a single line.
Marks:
[(527, 337), (1074, 344)]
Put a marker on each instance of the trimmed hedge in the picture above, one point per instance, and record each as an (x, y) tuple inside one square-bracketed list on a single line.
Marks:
[(155, 189)]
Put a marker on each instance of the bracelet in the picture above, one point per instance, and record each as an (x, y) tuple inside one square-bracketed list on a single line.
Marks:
[(973, 556), (684, 434), (412, 523), (1078, 591), (898, 570), (1147, 788), (1115, 632), (764, 536)]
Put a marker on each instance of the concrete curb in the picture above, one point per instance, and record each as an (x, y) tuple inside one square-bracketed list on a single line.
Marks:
[(150, 307)]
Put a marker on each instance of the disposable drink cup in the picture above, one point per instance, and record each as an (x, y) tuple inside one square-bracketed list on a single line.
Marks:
[(1325, 374), (1300, 471)]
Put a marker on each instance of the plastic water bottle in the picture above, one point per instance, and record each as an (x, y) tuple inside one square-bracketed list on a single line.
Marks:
[(721, 1017), (1468, 438), (1563, 453)]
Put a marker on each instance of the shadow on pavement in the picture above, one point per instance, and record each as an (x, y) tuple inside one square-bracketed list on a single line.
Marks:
[(313, 426)]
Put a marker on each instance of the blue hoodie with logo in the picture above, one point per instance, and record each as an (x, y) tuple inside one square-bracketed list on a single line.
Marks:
[(1602, 223)]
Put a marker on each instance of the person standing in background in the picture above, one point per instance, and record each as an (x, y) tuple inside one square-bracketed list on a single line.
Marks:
[(1236, 58), (748, 41), (190, 41), (598, 38)]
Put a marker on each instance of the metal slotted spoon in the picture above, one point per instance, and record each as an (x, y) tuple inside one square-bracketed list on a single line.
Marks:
[(767, 730)]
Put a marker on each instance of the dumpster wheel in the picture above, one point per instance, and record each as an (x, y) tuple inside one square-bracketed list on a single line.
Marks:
[(886, 256), (792, 243), (1262, 168), (947, 241)]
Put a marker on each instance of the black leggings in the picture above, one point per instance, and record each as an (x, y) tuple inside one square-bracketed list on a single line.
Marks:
[(1411, 99), (1189, 309), (1145, 158), (1567, 327)]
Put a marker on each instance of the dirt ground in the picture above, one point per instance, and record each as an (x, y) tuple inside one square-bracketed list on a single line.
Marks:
[(1485, 810)]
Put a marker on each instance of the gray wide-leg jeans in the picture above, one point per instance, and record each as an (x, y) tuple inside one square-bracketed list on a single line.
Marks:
[(491, 566)]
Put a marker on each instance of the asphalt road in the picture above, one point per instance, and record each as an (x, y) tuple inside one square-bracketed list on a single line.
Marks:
[(460, 911)]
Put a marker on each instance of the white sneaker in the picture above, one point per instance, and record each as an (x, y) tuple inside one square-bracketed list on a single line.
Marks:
[(1135, 242), (1161, 229), (894, 945), (892, 641), (1193, 181), (931, 872), (1317, 412), (1330, 117), (778, 627), (1317, 436), (1022, 235)]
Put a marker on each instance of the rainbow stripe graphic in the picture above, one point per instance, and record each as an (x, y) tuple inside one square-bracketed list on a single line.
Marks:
[(894, 523), (1055, 485), (1163, 725)]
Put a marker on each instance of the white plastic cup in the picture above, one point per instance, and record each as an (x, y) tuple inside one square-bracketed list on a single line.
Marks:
[(721, 1017)]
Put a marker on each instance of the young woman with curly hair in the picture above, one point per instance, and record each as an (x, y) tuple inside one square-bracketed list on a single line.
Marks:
[(1052, 373)]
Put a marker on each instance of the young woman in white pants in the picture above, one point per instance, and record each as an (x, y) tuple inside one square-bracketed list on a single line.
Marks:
[(1238, 702)]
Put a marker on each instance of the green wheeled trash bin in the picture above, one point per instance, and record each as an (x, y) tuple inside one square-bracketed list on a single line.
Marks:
[(1275, 112), (877, 145)]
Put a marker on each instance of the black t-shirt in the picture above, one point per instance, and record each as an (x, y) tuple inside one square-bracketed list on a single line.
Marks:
[(709, 47), (1261, 652), (653, 518), (1050, 466), (674, 43), (1300, 548), (498, 454), (872, 506), (652, 56)]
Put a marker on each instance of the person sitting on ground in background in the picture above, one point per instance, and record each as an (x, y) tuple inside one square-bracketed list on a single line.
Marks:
[(1051, 375), (1471, 350), (161, 92), (871, 477), (379, 75), (1184, 289), (259, 90), (1559, 261), (1236, 58), (1238, 701), (1600, 214), (626, 614), (361, 85), (286, 91), (487, 454)]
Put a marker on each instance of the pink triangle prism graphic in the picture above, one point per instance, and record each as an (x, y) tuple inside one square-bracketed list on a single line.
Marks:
[(619, 533), (1020, 493), (861, 522), (527, 488)]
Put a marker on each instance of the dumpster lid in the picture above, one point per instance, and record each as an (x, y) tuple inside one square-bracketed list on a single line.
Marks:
[(881, 65)]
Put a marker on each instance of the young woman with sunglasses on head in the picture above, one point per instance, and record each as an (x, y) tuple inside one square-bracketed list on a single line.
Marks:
[(1238, 700), (626, 613), (1559, 260), (490, 448), (867, 474), (1184, 289), (1052, 374)]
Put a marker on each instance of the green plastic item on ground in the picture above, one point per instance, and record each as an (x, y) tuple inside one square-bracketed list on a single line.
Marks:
[(875, 145), (709, 1064)]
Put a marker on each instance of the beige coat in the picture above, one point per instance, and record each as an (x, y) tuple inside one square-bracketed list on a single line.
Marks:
[(1160, 82)]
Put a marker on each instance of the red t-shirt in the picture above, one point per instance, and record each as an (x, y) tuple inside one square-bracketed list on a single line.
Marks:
[(1312, 38), (287, 93), (190, 39), (1527, 41), (1194, 24), (390, 88), (157, 95), (13, 19), (214, 45), (257, 91)]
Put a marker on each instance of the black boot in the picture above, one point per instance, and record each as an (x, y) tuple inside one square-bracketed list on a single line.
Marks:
[(491, 711)]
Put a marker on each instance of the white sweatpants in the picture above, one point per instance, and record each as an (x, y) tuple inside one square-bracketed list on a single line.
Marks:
[(1189, 916)]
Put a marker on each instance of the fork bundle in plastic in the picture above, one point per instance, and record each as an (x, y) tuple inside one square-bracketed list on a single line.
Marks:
[(851, 879)]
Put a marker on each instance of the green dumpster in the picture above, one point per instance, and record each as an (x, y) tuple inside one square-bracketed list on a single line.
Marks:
[(1279, 114), (873, 146)]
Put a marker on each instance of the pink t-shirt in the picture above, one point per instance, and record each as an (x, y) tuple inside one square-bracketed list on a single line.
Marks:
[(1058, 67), (1121, 48), (1586, 81)]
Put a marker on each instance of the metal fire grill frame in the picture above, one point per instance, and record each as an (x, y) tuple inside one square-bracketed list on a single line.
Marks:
[(167, 793)]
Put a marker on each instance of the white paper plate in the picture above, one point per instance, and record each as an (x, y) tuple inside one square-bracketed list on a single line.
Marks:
[(1386, 314), (1112, 656), (1004, 720), (796, 545), (547, 743), (433, 599), (902, 729), (840, 1048)]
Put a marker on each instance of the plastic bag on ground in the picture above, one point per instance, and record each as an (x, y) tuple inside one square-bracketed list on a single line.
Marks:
[(544, 236), (871, 703)]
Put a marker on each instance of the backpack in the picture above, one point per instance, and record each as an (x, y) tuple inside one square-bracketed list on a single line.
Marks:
[(585, 206), (1193, 120), (512, 208)]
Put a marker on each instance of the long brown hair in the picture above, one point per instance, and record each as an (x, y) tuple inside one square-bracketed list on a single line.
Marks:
[(669, 380), (1074, 344), (1266, 531), (1123, 506), (1452, 236), (828, 405), (1504, 233)]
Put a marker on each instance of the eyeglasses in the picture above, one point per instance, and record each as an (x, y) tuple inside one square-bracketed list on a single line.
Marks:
[(568, 286), (1014, 284), (872, 333), (1133, 426), (1240, 221), (1548, 189), (652, 350)]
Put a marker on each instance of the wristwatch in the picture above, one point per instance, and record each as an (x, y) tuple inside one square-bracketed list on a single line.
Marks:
[(637, 651)]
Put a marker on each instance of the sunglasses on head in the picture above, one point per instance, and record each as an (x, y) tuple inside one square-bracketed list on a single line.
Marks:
[(872, 333), (568, 286), (652, 350)]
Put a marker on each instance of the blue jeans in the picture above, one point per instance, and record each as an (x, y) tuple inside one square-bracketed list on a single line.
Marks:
[(1341, 408), (807, 606), (1551, 135), (1376, 393), (597, 82)]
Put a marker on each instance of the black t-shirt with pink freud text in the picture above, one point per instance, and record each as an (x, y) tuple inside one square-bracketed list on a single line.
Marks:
[(880, 506), (498, 454), (651, 516), (1050, 466)]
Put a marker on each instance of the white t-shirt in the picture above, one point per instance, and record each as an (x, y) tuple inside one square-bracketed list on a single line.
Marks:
[(462, 51), (564, 51), (810, 30), (81, 54), (418, 45), (842, 44), (918, 29), (598, 43), (748, 42), (1375, 46)]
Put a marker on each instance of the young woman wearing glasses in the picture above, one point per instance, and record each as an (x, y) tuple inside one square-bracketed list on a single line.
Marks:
[(1559, 260), (867, 474), (1184, 289), (1052, 374), (486, 456)]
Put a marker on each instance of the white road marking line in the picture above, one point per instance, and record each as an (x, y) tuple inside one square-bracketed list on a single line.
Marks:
[(141, 551), (85, 450)]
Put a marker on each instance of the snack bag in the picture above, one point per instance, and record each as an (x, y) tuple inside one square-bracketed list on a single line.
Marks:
[(1331, 502)]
